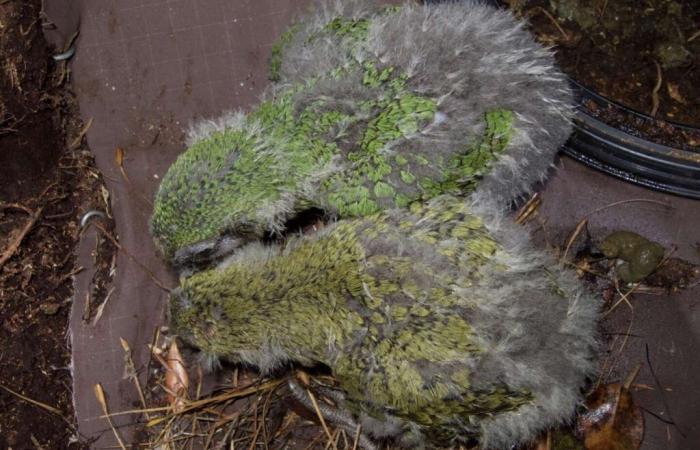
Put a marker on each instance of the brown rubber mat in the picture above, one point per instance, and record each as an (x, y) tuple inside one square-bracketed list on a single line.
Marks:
[(668, 324), (145, 69)]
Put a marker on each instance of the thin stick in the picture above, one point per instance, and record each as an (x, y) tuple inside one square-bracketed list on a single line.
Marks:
[(111, 238), (100, 394), (694, 36), (119, 155), (554, 21), (313, 442), (661, 392), (79, 138), (320, 417), (604, 366), (631, 377), (655, 92), (36, 443), (16, 206), (622, 202), (333, 442), (131, 370), (573, 237), (528, 209), (624, 342), (258, 426), (635, 287), (189, 406), (33, 402), (14, 245), (623, 298), (356, 442)]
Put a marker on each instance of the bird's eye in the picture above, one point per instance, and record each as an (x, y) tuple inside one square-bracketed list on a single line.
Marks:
[(205, 253)]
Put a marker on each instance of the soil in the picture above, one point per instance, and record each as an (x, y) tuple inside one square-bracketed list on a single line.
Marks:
[(644, 55), (658, 131), (47, 181)]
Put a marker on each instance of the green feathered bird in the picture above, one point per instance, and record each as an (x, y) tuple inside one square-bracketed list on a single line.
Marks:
[(373, 108), (437, 328), (411, 129)]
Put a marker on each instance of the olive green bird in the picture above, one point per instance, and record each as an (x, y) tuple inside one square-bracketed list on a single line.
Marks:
[(438, 328)]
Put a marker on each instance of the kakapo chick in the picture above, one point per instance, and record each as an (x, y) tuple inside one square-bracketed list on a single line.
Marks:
[(438, 327), (374, 108)]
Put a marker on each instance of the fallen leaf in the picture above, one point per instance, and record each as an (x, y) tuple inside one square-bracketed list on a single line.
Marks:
[(176, 380), (102, 400), (119, 159), (613, 421), (675, 93)]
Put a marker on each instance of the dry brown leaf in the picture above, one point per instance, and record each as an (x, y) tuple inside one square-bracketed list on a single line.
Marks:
[(119, 159), (176, 379), (613, 420), (102, 400), (675, 93)]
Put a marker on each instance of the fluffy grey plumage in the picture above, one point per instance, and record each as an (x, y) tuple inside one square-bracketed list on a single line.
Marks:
[(378, 117), (420, 80), (441, 324), (471, 57)]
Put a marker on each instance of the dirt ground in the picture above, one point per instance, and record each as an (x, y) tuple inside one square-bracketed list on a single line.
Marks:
[(47, 179), (645, 55)]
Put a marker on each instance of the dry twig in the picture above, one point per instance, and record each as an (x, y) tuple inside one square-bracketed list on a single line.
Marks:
[(655, 102), (131, 373), (121, 248), (48, 408), (79, 138), (19, 237), (554, 21), (529, 209), (320, 418), (573, 237), (622, 202), (100, 394)]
